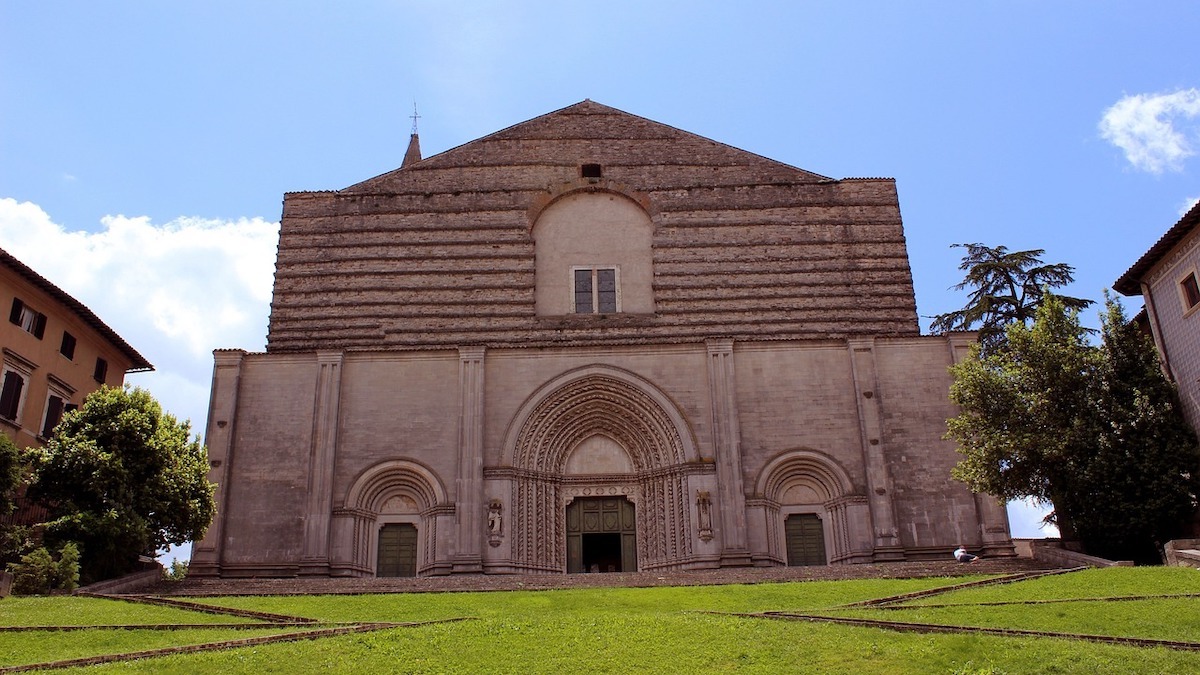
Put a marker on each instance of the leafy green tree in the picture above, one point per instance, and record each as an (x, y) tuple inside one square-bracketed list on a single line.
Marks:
[(1007, 287), (122, 478), (1094, 430), (10, 474), (1026, 418)]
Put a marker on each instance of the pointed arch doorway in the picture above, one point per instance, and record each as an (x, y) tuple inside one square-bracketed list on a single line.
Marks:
[(601, 535)]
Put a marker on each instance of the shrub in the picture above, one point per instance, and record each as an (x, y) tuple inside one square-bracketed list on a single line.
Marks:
[(38, 573)]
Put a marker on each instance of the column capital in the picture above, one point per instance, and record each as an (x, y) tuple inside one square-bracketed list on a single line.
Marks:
[(471, 352), (228, 357), (324, 357), (861, 343), (719, 345)]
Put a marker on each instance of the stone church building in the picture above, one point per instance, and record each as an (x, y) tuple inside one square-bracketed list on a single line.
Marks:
[(589, 342)]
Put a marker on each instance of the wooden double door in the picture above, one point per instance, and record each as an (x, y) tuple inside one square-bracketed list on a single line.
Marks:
[(601, 535), (805, 539), (397, 551)]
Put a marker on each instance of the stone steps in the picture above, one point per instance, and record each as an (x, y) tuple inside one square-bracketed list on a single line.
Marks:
[(514, 582)]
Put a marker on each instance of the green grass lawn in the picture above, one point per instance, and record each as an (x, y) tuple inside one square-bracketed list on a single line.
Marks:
[(85, 611), (44, 646), (668, 630)]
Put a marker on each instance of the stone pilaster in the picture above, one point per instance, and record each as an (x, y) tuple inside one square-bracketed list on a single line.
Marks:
[(879, 478), (994, 535), (323, 453), (469, 493), (218, 437), (727, 444)]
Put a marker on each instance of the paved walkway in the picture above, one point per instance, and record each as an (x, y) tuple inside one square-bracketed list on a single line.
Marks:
[(515, 582)]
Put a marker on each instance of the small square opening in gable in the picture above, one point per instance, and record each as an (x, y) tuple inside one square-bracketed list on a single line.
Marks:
[(591, 171)]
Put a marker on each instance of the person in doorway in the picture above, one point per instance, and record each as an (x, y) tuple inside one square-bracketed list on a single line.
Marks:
[(961, 555)]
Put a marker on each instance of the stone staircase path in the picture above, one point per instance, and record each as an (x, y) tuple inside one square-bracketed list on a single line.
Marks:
[(517, 582)]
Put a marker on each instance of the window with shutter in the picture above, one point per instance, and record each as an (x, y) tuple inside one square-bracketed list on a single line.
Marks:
[(54, 413), (10, 395), (101, 371), (27, 318), (68, 345), (1190, 291)]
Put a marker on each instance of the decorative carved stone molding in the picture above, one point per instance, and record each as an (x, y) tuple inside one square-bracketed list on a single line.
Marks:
[(628, 410), (1168, 263), (376, 493), (817, 481)]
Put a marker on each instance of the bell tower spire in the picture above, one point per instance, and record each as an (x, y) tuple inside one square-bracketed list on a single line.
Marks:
[(413, 154)]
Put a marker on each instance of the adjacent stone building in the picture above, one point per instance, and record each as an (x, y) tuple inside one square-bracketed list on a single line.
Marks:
[(1167, 279), (588, 342)]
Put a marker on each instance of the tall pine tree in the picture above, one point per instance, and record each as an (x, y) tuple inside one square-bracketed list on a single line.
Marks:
[(1143, 478)]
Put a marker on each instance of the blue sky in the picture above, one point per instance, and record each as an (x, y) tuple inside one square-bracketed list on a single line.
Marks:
[(145, 146)]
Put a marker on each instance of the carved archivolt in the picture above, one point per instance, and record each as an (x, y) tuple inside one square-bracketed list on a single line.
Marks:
[(811, 482), (599, 400), (804, 467), (634, 414), (388, 491), (397, 477)]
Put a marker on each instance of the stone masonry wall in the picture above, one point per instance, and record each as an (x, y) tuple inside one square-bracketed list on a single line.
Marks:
[(440, 253), (1180, 329)]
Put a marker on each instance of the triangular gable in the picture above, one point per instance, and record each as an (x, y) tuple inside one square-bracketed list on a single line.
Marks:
[(590, 132)]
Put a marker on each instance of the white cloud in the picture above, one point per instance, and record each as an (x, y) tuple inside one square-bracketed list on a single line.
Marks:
[(174, 291), (1187, 205), (1155, 131)]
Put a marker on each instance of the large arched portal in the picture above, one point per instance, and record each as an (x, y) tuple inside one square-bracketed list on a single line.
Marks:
[(594, 436)]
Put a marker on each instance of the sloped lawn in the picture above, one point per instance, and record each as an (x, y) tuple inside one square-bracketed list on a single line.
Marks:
[(674, 630)]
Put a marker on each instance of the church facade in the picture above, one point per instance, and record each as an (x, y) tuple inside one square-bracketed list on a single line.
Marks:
[(589, 342)]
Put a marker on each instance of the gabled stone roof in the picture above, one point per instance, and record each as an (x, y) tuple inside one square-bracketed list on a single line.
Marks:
[(138, 363), (1130, 282), (604, 134)]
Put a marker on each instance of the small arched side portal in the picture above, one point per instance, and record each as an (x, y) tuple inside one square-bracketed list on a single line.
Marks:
[(804, 537), (388, 526), (812, 516)]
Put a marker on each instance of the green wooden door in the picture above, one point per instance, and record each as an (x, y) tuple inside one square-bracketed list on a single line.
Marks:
[(397, 551), (601, 535), (805, 539)]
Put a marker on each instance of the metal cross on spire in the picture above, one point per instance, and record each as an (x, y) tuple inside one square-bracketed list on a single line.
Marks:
[(415, 117)]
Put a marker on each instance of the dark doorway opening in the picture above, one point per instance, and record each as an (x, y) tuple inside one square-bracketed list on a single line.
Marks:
[(805, 539), (397, 551), (601, 535), (602, 552)]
